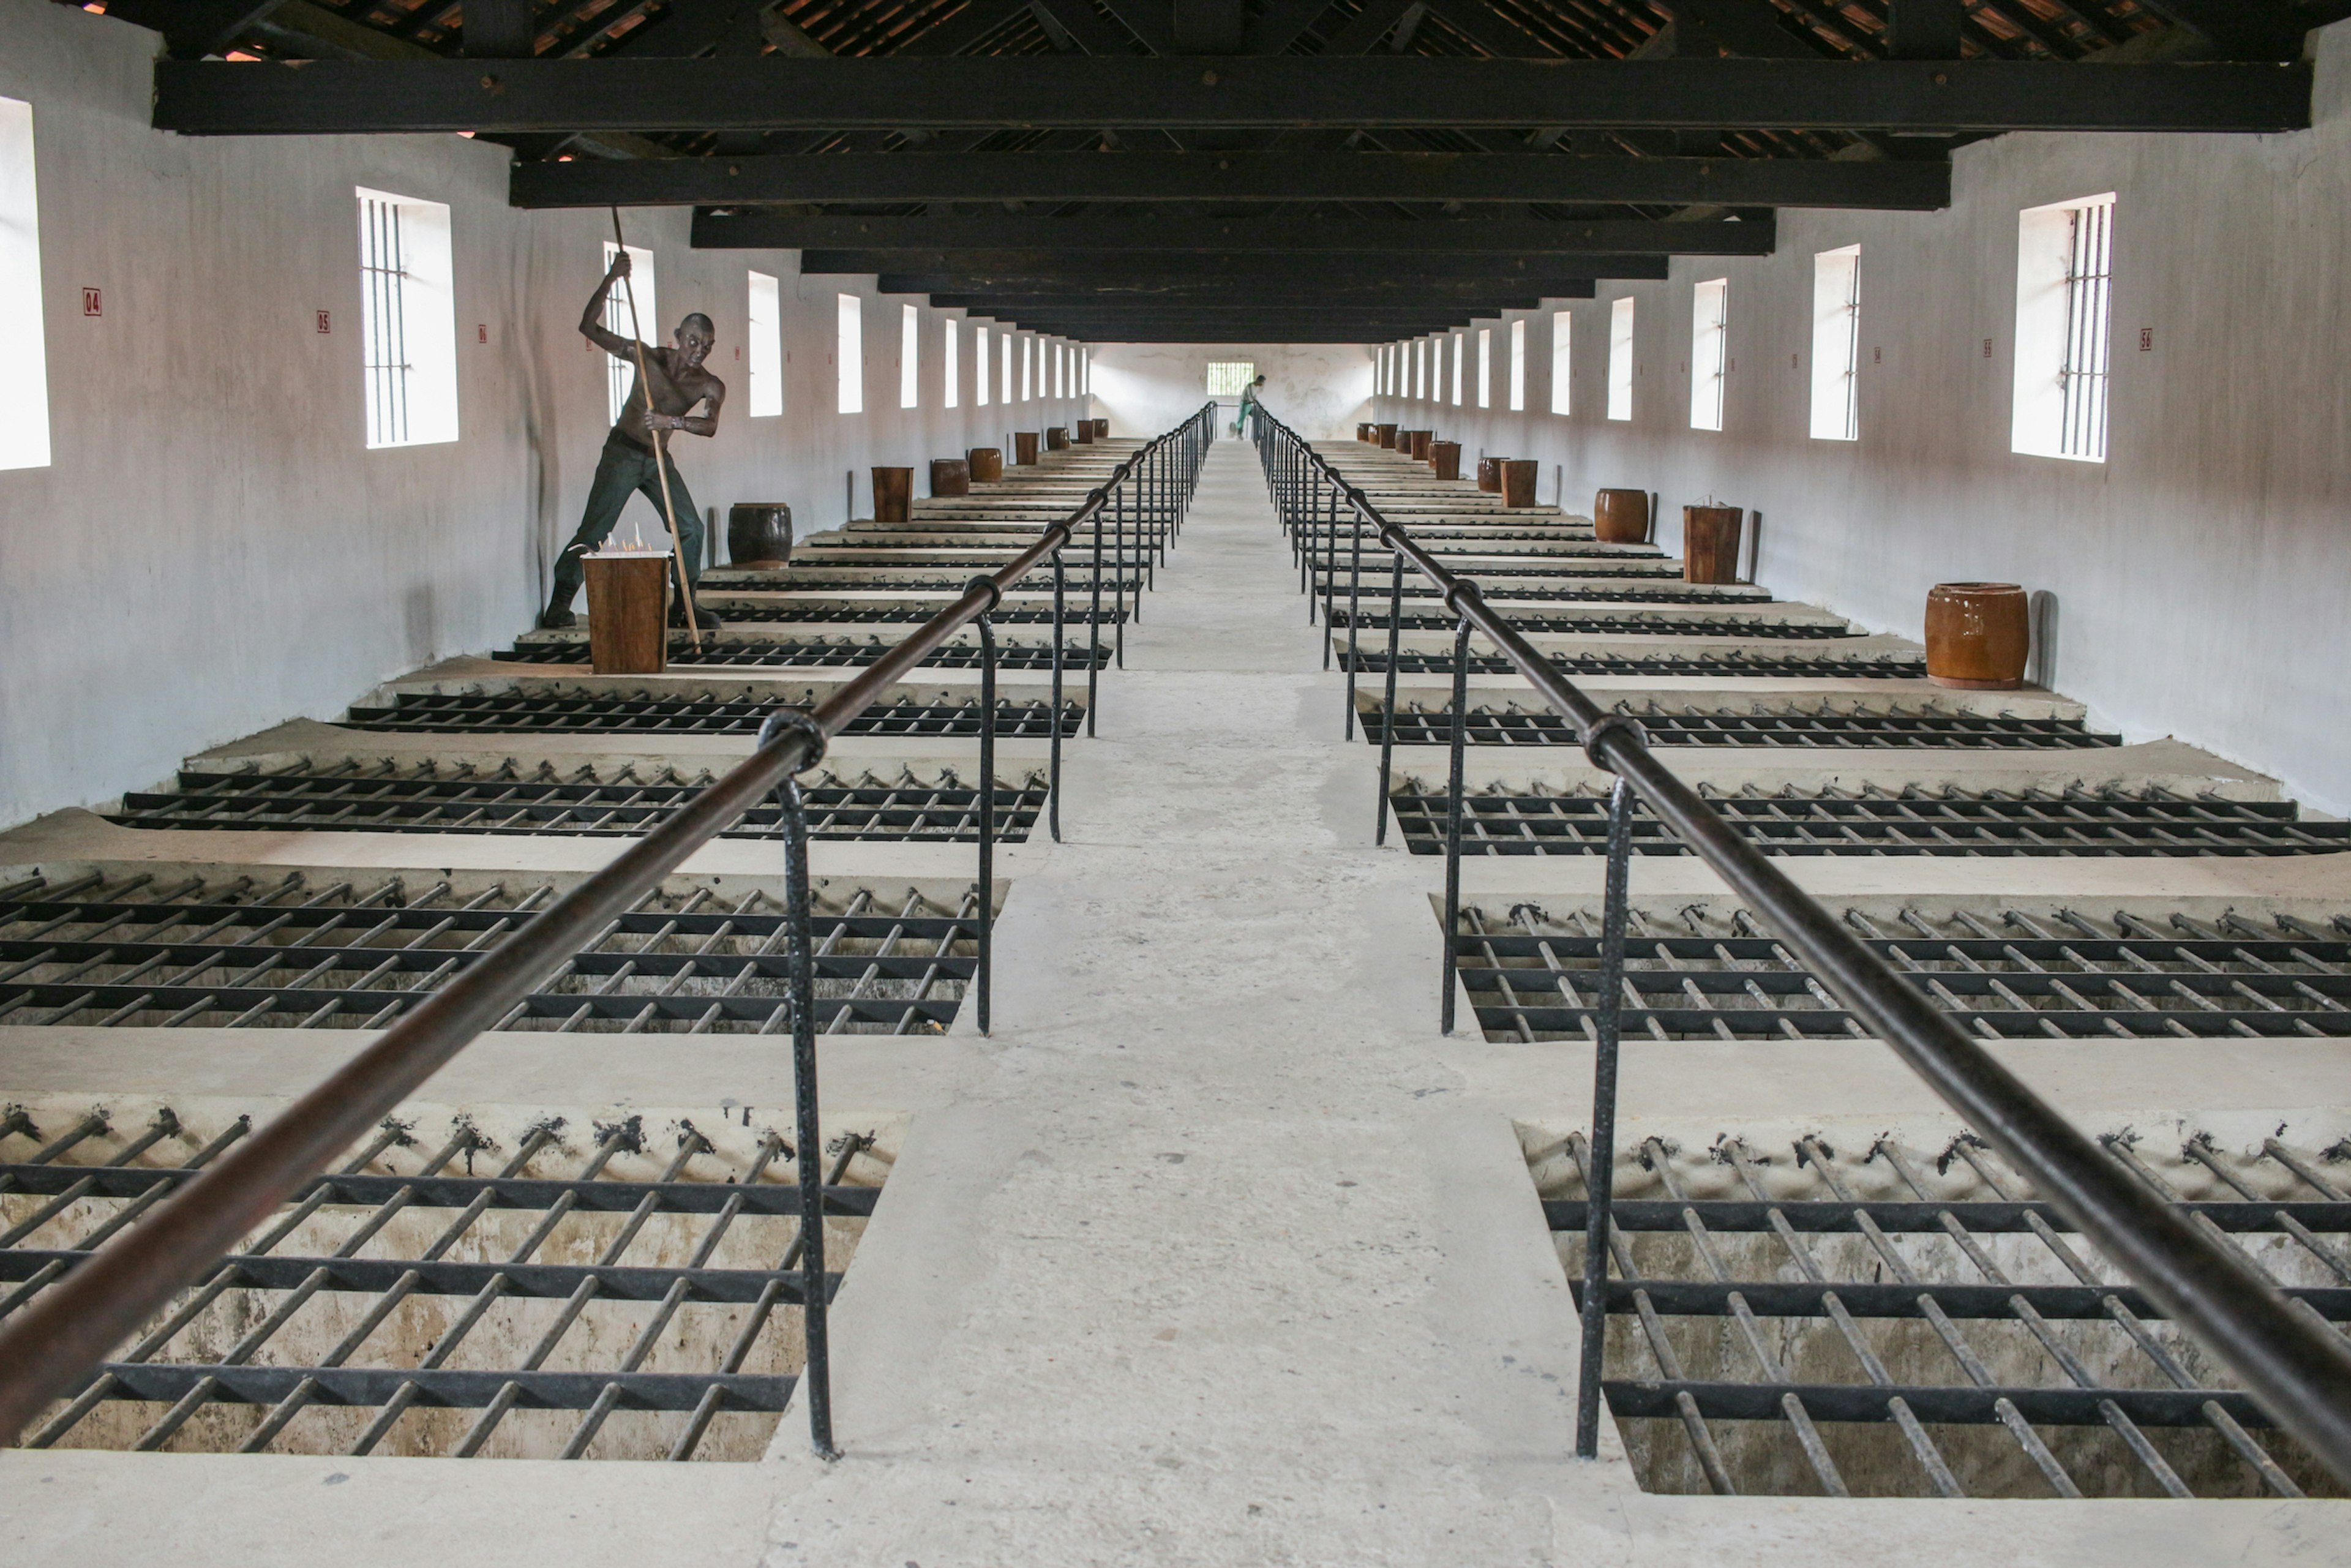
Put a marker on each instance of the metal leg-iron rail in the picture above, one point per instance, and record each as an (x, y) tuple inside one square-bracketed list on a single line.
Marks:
[(51, 1345), (2298, 1370)]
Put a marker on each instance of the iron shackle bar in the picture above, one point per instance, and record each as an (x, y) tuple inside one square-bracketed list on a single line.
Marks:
[(2300, 1371), (70, 1326)]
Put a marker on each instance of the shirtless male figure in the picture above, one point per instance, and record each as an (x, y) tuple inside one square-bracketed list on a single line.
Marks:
[(680, 384)]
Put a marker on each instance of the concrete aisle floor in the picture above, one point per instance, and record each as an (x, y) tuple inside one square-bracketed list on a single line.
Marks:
[(1229, 1256)]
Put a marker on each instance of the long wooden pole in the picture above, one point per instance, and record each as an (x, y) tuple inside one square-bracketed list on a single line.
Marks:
[(661, 452)]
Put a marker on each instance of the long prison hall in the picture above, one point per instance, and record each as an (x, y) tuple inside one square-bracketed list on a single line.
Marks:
[(950, 782)]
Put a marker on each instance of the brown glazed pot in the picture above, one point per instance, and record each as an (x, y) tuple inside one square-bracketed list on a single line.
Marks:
[(1445, 456), (950, 475), (1056, 438), (1024, 448), (758, 534), (1711, 543), (1518, 481), (1979, 635), (1385, 437), (1365, 432), (987, 463), (1489, 474), (1621, 516), (893, 495), (628, 614)]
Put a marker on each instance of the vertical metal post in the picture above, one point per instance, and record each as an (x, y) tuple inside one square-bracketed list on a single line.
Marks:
[(1354, 611), (1599, 1171), (1118, 582), (1053, 777), (1093, 621), (1388, 711), (1453, 814), (1330, 569), (987, 795), (816, 1376)]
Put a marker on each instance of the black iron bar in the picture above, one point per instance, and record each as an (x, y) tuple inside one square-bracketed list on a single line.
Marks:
[(1053, 785), (1600, 1173), (1453, 821), (2300, 1374), (1355, 616), (817, 1367), (1387, 705)]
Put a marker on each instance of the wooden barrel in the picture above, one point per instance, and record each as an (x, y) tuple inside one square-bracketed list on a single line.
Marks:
[(1386, 436), (950, 475), (1445, 456), (1489, 474), (1421, 441), (628, 612), (1085, 433), (1056, 438), (893, 495), (1024, 448), (1518, 481), (1621, 516), (1367, 431), (1711, 543), (1977, 635), (987, 463), (760, 533)]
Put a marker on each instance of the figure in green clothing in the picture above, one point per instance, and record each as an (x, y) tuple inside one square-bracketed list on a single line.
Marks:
[(1250, 400), (630, 460)]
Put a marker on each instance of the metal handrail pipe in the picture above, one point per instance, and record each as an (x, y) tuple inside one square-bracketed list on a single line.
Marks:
[(70, 1326), (2299, 1370)]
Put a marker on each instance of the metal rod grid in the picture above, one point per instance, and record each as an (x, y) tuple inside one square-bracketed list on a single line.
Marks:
[(1417, 662), (1875, 822), (865, 612), (883, 580), (2001, 973), (1636, 622), (818, 654), (1889, 1322), (1895, 725), (185, 952), (607, 1291), (424, 798), (600, 713)]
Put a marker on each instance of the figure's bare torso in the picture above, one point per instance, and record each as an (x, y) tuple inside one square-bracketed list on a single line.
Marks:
[(674, 391)]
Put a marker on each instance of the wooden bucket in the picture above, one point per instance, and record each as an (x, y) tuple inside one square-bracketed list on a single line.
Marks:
[(1422, 440), (987, 463), (1711, 543), (1621, 516), (1384, 436), (1056, 438), (893, 495), (1085, 433), (759, 533), (628, 612), (1445, 456), (1366, 432), (1024, 448), (950, 475), (1518, 481), (1489, 474), (1979, 635)]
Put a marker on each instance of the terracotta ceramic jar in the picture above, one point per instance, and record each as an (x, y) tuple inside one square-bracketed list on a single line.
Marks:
[(950, 475), (1979, 635), (1621, 516), (987, 463)]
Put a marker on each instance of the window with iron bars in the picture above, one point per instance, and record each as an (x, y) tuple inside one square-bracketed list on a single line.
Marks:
[(2064, 283), (1229, 378), (629, 302), (407, 321)]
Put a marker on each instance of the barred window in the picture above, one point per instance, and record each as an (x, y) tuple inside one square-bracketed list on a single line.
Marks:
[(408, 332), (1229, 378)]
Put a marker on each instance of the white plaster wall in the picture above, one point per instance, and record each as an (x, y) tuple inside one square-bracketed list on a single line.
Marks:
[(1321, 389), (213, 547), (2200, 577)]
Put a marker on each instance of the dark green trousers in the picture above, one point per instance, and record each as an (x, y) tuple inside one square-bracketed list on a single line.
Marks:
[(626, 468)]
